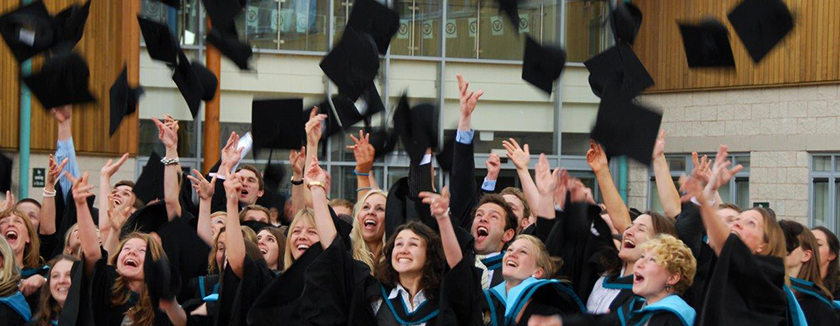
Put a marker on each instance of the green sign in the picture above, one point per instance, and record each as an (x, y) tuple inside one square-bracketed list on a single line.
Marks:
[(761, 204), (39, 177)]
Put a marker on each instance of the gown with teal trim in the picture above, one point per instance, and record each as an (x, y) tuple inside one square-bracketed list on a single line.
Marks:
[(531, 297), (14, 310), (817, 307), (670, 311)]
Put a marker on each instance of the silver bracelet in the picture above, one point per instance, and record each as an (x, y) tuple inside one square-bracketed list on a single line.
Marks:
[(169, 161), (48, 194)]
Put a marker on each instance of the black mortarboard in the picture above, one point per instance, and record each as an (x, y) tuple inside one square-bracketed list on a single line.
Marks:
[(70, 26), (149, 185), (230, 46), (417, 127), (222, 12), (273, 175), (162, 280), (28, 30), (511, 9), (62, 80), (147, 219), (353, 63), (618, 65), (625, 20), (626, 128), (160, 42), (376, 19), (542, 65), (278, 123), (761, 24), (195, 82), (123, 100), (172, 3), (5, 173), (384, 141), (349, 113), (707, 44)]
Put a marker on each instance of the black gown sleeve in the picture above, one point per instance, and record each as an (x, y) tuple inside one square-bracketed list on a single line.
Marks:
[(461, 297), (186, 251), (237, 295), (462, 185), (817, 312), (280, 300)]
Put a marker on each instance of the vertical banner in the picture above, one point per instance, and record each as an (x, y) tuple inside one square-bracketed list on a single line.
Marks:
[(251, 16), (451, 28), (428, 29), (473, 26), (402, 32), (497, 26), (524, 23)]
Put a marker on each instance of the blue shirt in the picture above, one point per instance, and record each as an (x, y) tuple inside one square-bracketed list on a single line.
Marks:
[(65, 149)]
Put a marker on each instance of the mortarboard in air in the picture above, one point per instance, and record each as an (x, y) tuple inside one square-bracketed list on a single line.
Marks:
[(618, 65), (149, 185), (273, 174), (707, 44), (626, 128), (124, 100), (147, 219), (383, 138), (417, 127), (196, 82), (376, 19), (70, 27), (329, 106), (5, 173), (626, 19), (761, 24), (62, 80), (351, 113), (353, 64), (28, 30), (172, 3), (542, 65), (160, 42), (222, 12), (511, 9), (230, 46), (162, 280), (278, 123)]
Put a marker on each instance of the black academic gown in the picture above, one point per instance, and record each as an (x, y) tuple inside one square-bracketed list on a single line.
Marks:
[(282, 297), (34, 298), (632, 313), (101, 286), (816, 305), (14, 309), (543, 297), (184, 248), (237, 295), (745, 289), (692, 232)]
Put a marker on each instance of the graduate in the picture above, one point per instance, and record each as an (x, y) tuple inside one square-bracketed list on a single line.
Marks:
[(803, 267), (272, 242), (56, 293), (748, 285), (829, 250), (368, 233), (662, 273), (25, 243), (13, 307)]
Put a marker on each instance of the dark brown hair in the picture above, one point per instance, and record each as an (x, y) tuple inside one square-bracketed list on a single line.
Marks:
[(731, 206), (661, 225), (833, 273), (281, 244), (256, 172), (138, 203), (48, 308), (510, 217), (526, 208), (432, 269)]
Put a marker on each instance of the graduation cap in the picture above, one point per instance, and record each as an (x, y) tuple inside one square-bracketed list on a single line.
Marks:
[(417, 128), (626, 128), (278, 123), (147, 219), (161, 44), (62, 80), (70, 26), (625, 20), (542, 65), (172, 3), (376, 19), (273, 175), (28, 30), (222, 12), (353, 63), (618, 65), (511, 9), (5, 173), (761, 24), (384, 138), (707, 44), (149, 185), (162, 280), (123, 100), (195, 82), (230, 46)]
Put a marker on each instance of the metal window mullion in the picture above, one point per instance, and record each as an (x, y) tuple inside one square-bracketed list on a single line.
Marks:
[(558, 96), (199, 155)]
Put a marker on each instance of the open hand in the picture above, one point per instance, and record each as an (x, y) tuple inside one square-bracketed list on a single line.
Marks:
[(438, 203), (520, 156)]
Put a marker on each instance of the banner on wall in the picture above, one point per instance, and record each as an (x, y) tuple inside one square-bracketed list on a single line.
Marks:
[(402, 32), (451, 28), (497, 26), (473, 26), (524, 23), (251, 16), (428, 29)]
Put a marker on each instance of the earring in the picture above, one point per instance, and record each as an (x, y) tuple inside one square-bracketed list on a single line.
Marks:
[(667, 287)]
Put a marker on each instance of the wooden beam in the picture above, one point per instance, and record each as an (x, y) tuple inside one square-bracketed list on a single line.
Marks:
[(211, 109)]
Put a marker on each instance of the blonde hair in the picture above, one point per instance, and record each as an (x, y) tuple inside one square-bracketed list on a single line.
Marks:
[(304, 214), (673, 255), (67, 235), (361, 250), (254, 207), (223, 214), (212, 267), (143, 314), (549, 264), (31, 250), (9, 273), (774, 236)]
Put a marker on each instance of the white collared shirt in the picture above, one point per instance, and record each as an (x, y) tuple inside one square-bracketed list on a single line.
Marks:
[(399, 290)]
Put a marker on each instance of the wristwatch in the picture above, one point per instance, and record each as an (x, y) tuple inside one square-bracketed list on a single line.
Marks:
[(296, 182)]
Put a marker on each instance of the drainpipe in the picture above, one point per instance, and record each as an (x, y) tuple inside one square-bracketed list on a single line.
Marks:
[(25, 122)]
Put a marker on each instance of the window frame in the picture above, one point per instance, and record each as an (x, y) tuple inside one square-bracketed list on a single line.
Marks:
[(736, 158), (831, 177)]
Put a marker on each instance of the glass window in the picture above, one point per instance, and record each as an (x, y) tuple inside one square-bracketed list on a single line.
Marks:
[(820, 202), (737, 191), (655, 201), (825, 192), (574, 143), (419, 32), (742, 192), (343, 182), (285, 25), (822, 163), (183, 22), (477, 29), (147, 133), (586, 29), (241, 129)]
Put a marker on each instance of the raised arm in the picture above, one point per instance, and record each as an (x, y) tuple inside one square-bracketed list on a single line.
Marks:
[(64, 146), (168, 135), (177, 315), (546, 183), (364, 153), (105, 175), (494, 166), (205, 191), (297, 160), (235, 244), (668, 194), (716, 228), (316, 181), (47, 225), (439, 206), (116, 216), (521, 158), (462, 176), (597, 160), (87, 231)]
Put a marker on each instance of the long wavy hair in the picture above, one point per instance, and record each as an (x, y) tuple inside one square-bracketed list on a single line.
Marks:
[(832, 276), (661, 225), (212, 266), (9, 273), (361, 250), (774, 236), (303, 215), (143, 313), (32, 250), (432, 269), (810, 270), (48, 308)]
